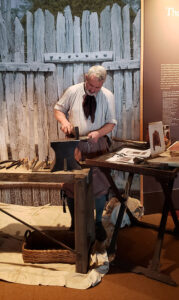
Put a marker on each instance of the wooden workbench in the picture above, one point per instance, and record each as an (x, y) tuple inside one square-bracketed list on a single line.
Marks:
[(166, 176), (84, 207)]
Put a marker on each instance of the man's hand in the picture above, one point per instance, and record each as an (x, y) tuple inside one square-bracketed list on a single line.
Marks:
[(66, 127), (94, 135)]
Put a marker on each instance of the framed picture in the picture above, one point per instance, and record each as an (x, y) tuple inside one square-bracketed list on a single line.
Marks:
[(156, 138)]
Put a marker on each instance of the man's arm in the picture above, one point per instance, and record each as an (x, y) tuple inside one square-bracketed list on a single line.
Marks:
[(66, 126), (95, 135)]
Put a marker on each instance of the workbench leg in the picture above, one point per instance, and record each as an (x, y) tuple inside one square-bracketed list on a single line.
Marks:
[(153, 270), (122, 210), (84, 221)]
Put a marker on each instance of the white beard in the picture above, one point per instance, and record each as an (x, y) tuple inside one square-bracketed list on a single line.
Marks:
[(90, 94)]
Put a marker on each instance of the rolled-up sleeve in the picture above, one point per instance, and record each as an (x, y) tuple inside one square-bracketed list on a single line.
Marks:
[(63, 104), (110, 111)]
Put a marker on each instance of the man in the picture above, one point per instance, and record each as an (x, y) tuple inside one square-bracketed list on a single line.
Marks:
[(90, 107)]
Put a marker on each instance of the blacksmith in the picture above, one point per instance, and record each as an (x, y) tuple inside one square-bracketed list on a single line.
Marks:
[(90, 107)]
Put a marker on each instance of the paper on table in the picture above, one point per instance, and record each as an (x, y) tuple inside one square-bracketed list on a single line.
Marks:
[(127, 155)]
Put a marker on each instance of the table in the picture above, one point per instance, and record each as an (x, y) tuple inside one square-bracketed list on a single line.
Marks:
[(165, 175), (84, 209)]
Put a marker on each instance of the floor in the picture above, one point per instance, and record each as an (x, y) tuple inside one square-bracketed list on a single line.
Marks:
[(135, 246)]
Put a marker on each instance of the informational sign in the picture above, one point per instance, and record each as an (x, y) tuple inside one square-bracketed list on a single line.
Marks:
[(160, 68)]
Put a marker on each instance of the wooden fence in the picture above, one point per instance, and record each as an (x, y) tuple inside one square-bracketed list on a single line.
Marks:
[(38, 62)]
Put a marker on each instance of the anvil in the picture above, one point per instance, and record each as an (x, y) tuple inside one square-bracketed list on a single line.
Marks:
[(64, 155), (64, 152)]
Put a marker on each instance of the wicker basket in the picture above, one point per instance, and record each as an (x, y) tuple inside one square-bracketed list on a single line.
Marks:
[(39, 249)]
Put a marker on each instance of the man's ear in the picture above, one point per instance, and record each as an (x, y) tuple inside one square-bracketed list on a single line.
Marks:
[(86, 77)]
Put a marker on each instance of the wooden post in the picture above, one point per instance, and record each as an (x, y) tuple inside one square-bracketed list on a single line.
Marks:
[(84, 221)]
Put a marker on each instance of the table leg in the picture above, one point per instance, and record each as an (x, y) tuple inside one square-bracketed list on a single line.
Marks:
[(84, 221), (153, 269)]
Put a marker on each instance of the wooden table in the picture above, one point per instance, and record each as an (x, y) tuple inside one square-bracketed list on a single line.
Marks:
[(84, 209), (165, 176)]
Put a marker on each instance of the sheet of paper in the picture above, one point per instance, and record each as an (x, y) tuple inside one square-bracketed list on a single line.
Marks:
[(127, 155)]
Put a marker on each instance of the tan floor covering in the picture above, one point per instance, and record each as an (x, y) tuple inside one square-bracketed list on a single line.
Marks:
[(135, 245)]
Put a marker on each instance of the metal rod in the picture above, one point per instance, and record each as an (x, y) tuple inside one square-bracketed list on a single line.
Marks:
[(41, 232)]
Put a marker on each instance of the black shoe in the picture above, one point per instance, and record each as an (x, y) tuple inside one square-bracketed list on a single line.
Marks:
[(100, 232)]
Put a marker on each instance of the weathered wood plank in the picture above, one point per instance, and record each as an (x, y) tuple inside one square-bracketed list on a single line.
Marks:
[(54, 196), (26, 67), (127, 75), (61, 47), (51, 86), (41, 113), (26, 196), (94, 32), (85, 35), (11, 114), (68, 69), (78, 68), (77, 56), (3, 123), (116, 29), (117, 45), (30, 89), (20, 96), (122, 64), (7, 16), (136, 89), (106, 41), (3, 113), (6, 196), (3, 40)]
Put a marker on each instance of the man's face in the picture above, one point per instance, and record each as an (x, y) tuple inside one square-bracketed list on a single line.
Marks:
[(93, 85)]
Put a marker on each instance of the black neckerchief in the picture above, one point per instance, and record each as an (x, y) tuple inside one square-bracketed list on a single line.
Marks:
[(89, 106)]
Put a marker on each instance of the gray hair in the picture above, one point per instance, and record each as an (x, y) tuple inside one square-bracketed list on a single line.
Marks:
[(98, 71)]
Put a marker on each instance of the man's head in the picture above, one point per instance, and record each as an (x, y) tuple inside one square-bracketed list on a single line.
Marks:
[(94, 79)]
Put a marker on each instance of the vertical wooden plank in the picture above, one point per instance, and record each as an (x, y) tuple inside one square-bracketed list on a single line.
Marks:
[(26, 196), (36, 196), (3, 122), (32, 131), (54, 196), (6, 14), (106, 40), (85, 35), (127, 75), (3, 40), (16, 196), (94, 32), (20, 101), (61, 47), (8, 92), (3, 113), (51, 83), (117, 42), (44, 193), (41, 112), (136, 77), (68, 69), (78, 68), (20, 96), (11, 114), (5, 196)]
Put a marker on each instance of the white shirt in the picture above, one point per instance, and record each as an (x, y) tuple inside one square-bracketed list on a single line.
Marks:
[(71, 105)]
